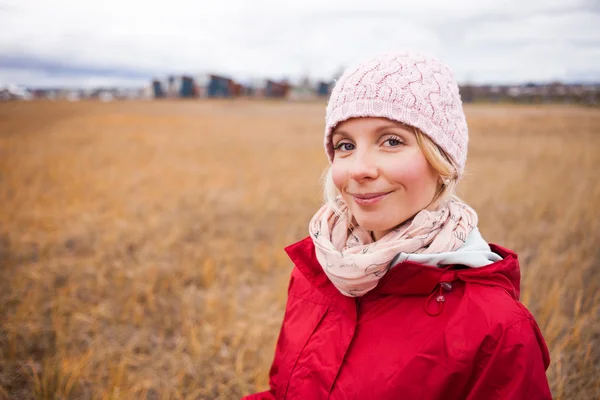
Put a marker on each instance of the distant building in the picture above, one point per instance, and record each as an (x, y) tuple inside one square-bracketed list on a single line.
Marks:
[(277, 89), (324, 88), (467, 93), (215, 86), (187, 88), (219, 86), (157, 89)]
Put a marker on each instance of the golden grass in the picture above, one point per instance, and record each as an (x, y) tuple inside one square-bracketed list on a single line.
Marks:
[(141, 242)]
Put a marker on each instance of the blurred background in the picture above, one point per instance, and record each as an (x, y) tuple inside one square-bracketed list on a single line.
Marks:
[(546, 48), (156, 158)]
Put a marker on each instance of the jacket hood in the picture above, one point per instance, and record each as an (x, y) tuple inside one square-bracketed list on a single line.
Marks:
[(412, 278), (474, 253)]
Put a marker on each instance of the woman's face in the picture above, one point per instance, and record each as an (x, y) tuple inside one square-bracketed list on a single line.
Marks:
[(381, 173)]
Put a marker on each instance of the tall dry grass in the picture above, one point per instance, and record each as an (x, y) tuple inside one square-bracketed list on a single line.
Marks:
[(141, 243)]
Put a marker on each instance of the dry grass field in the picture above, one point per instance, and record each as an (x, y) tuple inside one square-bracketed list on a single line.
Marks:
[(141, 243)]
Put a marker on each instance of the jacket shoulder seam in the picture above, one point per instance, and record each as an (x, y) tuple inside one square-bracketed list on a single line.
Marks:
[(517, 302), (507, 328)]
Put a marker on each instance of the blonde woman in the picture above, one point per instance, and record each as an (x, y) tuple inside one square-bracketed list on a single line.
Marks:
[(395, 294)]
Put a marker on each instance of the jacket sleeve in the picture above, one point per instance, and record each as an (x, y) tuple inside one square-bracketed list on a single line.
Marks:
[(270, 394), (514, 366)]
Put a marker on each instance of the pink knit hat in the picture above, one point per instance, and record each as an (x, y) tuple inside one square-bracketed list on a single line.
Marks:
[(408, 87)]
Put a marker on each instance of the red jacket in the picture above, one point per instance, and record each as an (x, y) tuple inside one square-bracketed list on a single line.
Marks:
[(422, 333)]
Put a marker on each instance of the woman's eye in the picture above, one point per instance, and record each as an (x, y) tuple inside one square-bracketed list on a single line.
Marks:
[(393, 142), (345, 146)]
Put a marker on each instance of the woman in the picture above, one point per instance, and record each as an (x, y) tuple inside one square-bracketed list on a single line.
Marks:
[(395, 294)]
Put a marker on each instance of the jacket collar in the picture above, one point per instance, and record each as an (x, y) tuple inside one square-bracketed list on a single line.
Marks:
[(410, 278)]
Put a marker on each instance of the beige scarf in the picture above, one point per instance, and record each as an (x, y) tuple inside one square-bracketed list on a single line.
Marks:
[(355, 263)]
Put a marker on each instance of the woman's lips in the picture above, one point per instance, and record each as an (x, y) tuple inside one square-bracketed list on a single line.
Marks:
[(365, 199)]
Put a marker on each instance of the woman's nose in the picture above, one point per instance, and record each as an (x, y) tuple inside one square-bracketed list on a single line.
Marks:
[(363, 166)]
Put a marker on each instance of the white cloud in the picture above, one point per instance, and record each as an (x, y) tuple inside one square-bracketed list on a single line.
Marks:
[(482, 40)]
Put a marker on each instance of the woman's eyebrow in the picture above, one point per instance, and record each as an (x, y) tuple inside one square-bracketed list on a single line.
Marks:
[(339, 133), (343, 133), (388, 126)]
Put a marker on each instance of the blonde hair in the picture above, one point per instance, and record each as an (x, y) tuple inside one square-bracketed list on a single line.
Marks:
[(436, 157)]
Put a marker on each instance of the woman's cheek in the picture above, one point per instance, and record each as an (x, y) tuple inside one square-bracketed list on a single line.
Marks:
[(411, 171)]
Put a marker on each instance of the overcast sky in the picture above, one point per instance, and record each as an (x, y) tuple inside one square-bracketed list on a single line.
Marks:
[(127, 42)]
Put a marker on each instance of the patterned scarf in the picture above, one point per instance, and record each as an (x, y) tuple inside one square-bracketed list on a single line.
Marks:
[(355, 263)]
